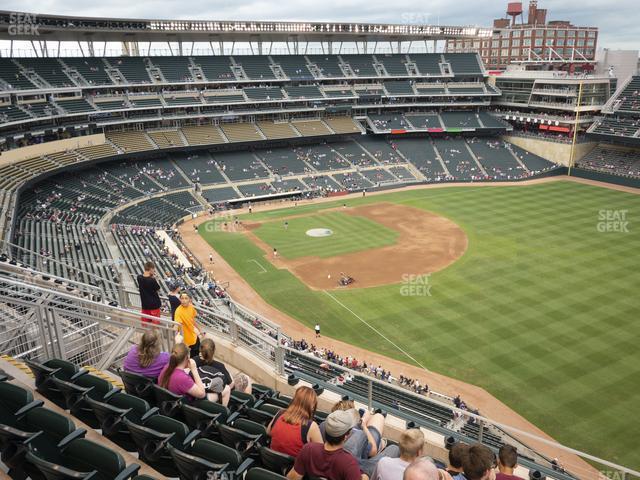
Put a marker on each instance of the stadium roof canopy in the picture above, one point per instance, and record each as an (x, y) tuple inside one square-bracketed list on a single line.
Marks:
[(22, 26)]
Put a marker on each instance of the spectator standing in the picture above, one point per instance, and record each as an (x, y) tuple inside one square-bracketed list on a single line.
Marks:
[(411, 447), (149, 298), (186, 316), (174, 299), (293, 428), (146, 358), (329, 459), (507, 463)]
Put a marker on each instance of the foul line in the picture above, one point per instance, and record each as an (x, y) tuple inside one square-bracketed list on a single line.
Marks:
[(408, 355), (264, 270)]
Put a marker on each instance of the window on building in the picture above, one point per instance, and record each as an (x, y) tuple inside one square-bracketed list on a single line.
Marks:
[(515, 42), (560, 42), (538, 42), (526, 42)]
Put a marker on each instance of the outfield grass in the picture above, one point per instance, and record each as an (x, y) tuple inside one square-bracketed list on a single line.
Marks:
[(542, 310), (350, 234)]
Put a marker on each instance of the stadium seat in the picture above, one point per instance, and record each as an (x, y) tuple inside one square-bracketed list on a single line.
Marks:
[(44, 372), (80, 458), (259, 416), (169, 403), (241, 400), (276, 461), (258, 473), (240, 440), (207, 455), (111, 417), (203, 417), (75, 396), (138, 385), (153, 437), (53, 431)]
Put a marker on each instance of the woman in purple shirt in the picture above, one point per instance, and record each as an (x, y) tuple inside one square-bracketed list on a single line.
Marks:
[(146, 358), (174, 376)]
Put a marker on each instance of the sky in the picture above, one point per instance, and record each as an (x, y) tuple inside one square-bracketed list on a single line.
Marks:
[(618, 21)]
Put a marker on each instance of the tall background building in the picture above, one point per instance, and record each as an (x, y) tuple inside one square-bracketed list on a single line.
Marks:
[(549, 44)]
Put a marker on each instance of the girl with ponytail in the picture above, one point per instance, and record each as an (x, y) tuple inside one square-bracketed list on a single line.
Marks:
[(174, 376)]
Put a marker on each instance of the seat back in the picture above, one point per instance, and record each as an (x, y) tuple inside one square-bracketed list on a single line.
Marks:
[(65, 370), (152, 447), (217, 453), (44, 384), (262, 474), (276, 461), (250, 427), (85, 455), (54, 471), (13, 398), (202, 420), (54, 425), (278, 402), (258, 416), (138, 385), (137, 406), (239, 400), (168, 402), (214, 408), (166, 425), (194, 467), (99, 386)]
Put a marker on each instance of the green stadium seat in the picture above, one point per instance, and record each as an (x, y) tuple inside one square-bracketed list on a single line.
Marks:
[(83, 459), (258, 473), (275, 461), (153, 437)]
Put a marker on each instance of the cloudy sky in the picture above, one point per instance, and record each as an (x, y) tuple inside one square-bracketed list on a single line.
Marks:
[(618, 21)]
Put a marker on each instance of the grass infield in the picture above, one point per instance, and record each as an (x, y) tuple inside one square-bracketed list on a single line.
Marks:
[(351, 233), (542, 310)]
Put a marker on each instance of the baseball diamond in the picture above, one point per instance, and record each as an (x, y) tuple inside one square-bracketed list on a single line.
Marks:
[(537, 291)]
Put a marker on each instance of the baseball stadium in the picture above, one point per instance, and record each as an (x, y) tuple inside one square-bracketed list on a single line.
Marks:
[(411, 257)]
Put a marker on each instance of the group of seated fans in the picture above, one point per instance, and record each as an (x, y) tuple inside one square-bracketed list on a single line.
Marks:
[(347, 445)]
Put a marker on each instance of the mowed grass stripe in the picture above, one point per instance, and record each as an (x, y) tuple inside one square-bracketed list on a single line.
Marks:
[(542, 310), (351, 233)]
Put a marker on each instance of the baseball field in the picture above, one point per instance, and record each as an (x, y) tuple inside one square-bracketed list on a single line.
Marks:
[(530, 292)]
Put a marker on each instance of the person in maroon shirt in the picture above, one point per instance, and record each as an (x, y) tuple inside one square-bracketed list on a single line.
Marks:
[(329, 460), (507, 462)]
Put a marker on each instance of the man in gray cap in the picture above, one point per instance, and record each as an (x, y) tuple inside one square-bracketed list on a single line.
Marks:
[(329, 460)]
